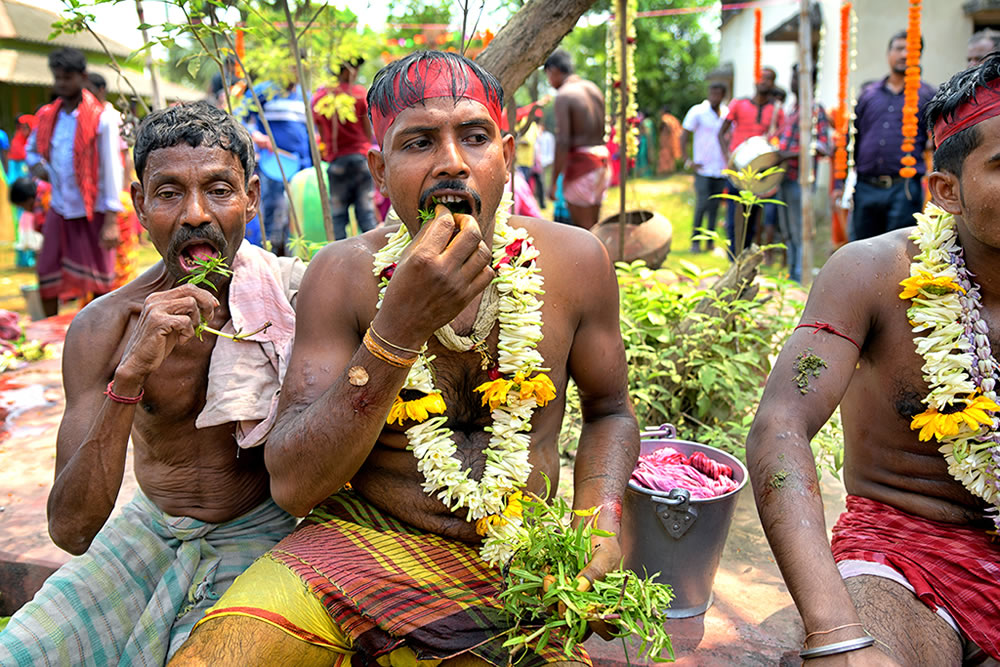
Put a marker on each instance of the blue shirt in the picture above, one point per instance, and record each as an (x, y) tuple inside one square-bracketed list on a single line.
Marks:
[(285, 112), (879, 123)]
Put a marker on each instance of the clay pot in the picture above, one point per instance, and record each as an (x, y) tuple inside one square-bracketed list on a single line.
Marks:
[(647, 236)]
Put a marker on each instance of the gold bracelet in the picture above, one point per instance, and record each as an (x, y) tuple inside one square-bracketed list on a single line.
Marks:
[(385, 355), (383, 340)]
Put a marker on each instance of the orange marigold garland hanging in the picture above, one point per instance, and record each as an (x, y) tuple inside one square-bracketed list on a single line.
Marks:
[(757, 18), (911, 91), (841, 115)]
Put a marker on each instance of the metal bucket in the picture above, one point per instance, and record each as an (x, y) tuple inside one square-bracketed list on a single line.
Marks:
[(759, 154), (680, 538)]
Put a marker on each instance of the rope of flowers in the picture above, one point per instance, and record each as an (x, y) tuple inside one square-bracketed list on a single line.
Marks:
[(758, 16), (911, 91), (614, 101), (959, 366), (841, 113)]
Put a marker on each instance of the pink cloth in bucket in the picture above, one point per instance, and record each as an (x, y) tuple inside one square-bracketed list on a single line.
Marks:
[(666, 469)]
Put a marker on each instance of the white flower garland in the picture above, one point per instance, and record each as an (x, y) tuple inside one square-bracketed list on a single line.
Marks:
[(959, 366), (507, 465)]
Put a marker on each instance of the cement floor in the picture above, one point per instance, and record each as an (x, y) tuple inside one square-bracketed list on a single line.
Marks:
[(751, 622)]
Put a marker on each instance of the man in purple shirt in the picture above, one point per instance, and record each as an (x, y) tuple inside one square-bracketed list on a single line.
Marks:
[(883, 200)]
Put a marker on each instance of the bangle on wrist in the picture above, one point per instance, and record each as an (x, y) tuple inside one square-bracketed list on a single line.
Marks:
[(826, 632), (382, 339), (385, 355), (127, 400), (846, 646)]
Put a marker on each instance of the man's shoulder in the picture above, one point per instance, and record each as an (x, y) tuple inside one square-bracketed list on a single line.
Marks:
[(869, 267), (574, 246)]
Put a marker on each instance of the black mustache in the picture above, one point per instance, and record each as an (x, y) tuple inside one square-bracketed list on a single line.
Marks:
[(186, 234), (454, 186)]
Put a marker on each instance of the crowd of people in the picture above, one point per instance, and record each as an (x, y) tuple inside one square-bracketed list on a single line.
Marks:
[(402, 391)]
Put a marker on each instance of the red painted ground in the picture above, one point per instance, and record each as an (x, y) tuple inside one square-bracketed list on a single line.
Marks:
[(752, 621)]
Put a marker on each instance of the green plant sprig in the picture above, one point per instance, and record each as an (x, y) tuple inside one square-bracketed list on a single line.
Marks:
[(426, 215), (541, 596), (200, 276)]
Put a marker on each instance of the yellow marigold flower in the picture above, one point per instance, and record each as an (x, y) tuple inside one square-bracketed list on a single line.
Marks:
[(924, 280), (545, 391), (513, 510), (495, 392), (417, 410), (934, 424)]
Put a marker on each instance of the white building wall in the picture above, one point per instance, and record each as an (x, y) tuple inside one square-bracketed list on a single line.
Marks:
[(945, 26)]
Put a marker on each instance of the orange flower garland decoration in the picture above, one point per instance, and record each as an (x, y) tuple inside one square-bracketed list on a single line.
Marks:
[(757, 17), (911, 91), (841, 117)]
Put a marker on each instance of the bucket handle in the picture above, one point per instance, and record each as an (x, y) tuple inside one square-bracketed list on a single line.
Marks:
[(668, 431), (675, 512)]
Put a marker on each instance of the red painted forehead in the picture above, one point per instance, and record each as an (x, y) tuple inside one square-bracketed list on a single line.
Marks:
[(436, 78)]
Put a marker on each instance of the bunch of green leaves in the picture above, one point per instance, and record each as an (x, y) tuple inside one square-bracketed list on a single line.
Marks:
[(200, 275), (542, 599), (696, 357), (303, 248)]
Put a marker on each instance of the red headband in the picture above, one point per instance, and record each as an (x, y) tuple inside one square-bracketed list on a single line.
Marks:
[(437, 79), (986, 105)]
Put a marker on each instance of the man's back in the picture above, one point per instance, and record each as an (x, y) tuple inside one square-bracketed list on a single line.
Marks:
[(585, 105)]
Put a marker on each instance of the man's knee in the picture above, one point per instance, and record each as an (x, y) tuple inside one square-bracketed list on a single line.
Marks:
[(903, 626), (241, 640)]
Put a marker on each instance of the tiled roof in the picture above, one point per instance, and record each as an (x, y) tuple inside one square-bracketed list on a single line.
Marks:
[(33, 24), (18, 67)]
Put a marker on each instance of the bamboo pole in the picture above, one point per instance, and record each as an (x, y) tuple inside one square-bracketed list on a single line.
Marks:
[(805, 103), (154, 74), (622, 123)]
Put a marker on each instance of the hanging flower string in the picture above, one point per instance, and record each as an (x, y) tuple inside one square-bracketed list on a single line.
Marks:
[(959, 366), (841, 113), (517, 386), (911, 91), (613, 101), (757, 42)]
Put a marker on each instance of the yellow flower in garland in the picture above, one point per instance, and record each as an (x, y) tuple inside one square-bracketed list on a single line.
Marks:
[(934, 424), (495, 392), (540, 386), (417, 410), (514, 510), (924, 280)]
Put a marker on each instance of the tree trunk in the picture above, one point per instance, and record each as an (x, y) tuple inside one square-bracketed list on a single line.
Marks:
[(529, 37)]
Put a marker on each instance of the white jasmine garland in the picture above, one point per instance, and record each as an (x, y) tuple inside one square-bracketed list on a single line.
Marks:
[(959, 366), (488, 501)]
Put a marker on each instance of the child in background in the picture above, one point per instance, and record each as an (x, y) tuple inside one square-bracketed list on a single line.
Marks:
[(33, 198)]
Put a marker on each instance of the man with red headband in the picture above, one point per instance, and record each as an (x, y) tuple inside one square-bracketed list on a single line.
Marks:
[(436, 388), (898, 332)]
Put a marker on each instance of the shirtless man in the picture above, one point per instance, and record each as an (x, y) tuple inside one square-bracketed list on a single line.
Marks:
[(912, 564), (386, 564), (581, 155), (203, 512)]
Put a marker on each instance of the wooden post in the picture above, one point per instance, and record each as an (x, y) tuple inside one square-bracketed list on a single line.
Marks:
[(805, 103), (158, 101), (622, 123)]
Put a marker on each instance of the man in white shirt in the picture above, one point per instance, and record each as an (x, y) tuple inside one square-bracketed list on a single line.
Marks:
[(703, 120), (75, 148)]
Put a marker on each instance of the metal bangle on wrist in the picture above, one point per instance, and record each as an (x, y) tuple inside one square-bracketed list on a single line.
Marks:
[(837, 648)]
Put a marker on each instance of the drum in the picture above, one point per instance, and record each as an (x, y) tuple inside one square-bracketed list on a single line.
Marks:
[(759, 154)]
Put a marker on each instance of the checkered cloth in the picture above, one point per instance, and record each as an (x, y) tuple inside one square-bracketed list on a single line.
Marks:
[(134, 596), (949, 565), (386, 584)]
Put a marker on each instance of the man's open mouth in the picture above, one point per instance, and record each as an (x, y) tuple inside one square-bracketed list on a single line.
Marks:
[(194, 252), (454, 203)]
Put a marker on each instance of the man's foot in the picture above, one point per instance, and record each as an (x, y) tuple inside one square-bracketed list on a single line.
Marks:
[(695, 248)]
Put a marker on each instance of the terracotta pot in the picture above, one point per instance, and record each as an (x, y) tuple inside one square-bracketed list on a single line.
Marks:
[(647, 236)]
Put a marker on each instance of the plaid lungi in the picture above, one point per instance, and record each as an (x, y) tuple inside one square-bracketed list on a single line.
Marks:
[(133, 598), (949, 565), (387, 584)]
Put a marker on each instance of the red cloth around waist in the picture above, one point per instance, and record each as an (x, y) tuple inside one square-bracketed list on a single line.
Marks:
[(579, 163), (949, 565)]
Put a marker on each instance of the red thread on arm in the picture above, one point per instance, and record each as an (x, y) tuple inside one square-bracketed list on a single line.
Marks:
[(127, 400), (823, 326)]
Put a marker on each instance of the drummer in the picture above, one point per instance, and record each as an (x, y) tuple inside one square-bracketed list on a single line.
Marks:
[(748, 117)]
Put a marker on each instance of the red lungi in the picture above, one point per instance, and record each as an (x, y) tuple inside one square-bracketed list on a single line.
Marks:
[(949, 565), (72, 257)]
